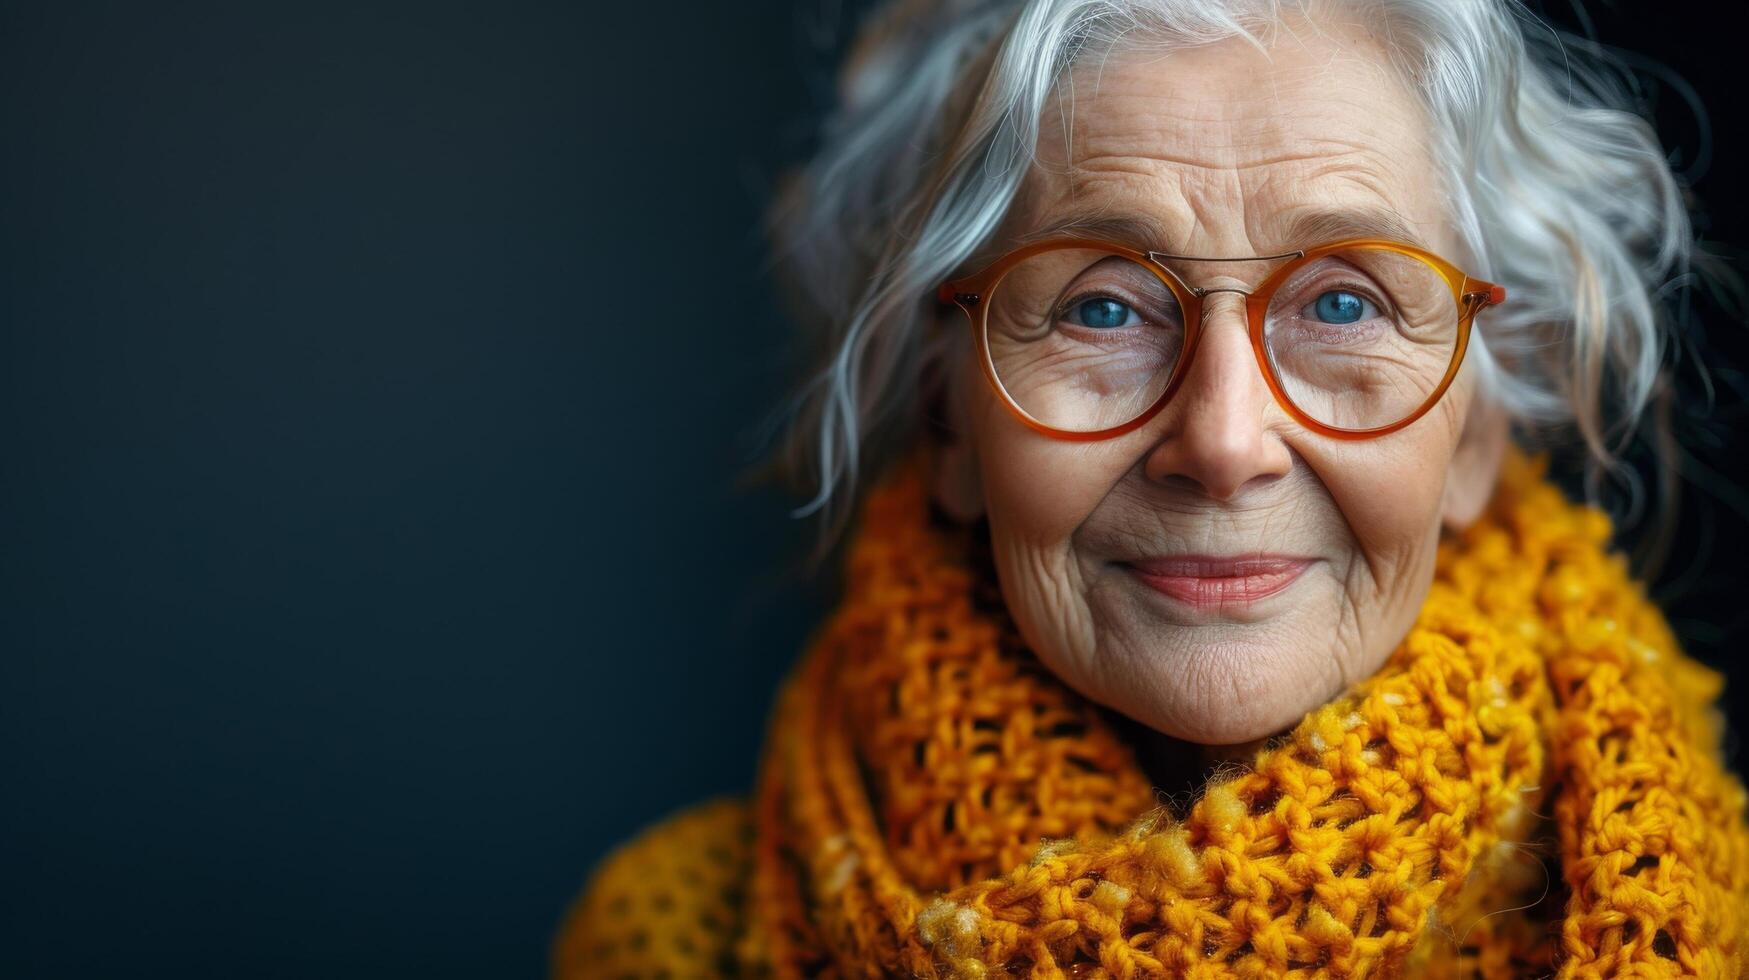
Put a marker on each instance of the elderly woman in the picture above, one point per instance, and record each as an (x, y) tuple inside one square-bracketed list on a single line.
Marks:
[(1202, 615)]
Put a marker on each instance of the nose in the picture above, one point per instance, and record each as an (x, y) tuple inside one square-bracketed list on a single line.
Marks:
[(1215, 432)]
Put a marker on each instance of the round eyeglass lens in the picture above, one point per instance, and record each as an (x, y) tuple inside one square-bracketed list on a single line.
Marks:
[(1362, 338), (1082, 339)]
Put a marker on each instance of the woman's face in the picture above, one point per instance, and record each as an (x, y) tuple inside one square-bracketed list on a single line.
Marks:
[(1224, 147)]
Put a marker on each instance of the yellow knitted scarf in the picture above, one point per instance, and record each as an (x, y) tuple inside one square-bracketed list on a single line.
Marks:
[(1530, 786)]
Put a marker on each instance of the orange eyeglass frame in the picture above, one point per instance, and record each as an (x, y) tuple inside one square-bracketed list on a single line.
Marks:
[(1470, 295)]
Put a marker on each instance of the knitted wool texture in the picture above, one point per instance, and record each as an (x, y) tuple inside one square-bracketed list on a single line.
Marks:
[(1531, 785)]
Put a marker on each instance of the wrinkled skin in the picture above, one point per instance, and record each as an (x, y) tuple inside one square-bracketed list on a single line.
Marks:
[(1222, 144)]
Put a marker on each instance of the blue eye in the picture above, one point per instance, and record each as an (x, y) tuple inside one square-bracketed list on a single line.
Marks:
[(1101, 314), (1339, 306)]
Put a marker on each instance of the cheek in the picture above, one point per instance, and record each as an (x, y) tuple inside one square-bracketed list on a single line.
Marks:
[(1038, 491), (1390, 492), (1385, 522)]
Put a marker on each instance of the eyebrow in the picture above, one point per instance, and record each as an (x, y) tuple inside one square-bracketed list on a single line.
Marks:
[(1300, 229), (1319, 225)]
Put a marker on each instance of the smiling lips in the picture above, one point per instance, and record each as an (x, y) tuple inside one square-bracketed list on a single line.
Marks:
[(1207, 581)]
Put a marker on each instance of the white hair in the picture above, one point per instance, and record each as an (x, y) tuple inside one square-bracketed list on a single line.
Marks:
[(1556, 187)]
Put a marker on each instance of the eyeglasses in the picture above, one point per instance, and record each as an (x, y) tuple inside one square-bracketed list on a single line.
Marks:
[(1087, 339)]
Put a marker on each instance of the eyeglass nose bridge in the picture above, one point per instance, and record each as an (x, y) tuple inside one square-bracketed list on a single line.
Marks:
[(1159, 259), (1201, 291)]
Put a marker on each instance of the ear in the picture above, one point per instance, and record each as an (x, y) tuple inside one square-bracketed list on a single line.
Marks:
[(1475, 467), (956, 479)]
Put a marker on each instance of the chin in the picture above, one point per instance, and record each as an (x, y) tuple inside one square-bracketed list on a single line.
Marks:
[(1216, 679), (1250, 683), (1225, 731)]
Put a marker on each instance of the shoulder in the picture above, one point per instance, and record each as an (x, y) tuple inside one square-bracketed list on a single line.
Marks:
[(669, 901)]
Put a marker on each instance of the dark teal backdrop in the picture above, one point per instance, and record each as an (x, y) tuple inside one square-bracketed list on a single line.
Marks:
[(375, 379)]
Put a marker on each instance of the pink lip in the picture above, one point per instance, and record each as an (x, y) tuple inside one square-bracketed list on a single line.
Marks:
[(1210, 581)]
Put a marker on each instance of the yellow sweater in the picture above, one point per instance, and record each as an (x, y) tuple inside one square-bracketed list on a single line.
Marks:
[(1530, 786)]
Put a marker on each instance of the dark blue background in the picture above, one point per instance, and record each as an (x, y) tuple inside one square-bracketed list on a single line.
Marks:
[(376, 378)]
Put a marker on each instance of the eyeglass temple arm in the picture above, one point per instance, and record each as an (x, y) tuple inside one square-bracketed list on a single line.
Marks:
[(1489, 295), (948, 294)]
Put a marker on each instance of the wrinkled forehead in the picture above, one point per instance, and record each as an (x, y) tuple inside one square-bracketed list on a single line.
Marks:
[(1222, 148)]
